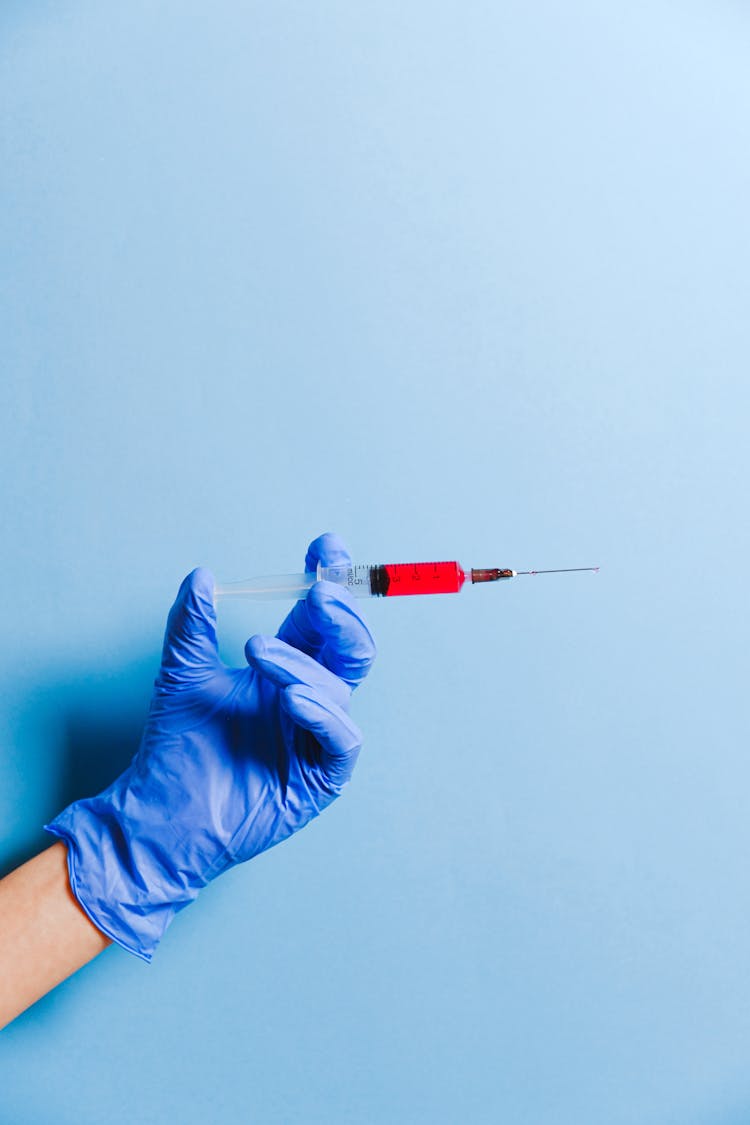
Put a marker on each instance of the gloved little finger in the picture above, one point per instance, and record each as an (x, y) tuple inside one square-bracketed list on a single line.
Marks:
[(339, 738)]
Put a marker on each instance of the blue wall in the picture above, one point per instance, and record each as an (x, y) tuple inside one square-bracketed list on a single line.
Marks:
[(457, 281)]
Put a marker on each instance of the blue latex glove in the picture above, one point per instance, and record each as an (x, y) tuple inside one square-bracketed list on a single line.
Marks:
[(232, 760)]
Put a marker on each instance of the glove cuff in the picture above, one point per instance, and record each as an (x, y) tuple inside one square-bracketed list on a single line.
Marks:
[(116, 875)]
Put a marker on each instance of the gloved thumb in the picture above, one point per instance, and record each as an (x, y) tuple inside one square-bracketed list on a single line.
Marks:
[(190, 652), (339, 738)]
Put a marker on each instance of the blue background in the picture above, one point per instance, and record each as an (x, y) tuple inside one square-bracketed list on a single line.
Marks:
[(456, 281)]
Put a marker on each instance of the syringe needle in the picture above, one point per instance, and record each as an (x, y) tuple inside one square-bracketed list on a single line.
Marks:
[(564, 570)]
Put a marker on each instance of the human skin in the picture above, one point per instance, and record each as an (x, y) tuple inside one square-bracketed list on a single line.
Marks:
[(45, 936)]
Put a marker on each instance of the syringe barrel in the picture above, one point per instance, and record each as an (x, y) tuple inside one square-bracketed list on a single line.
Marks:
[(358, 578), (398, 579), (388, 580), (363, 580)]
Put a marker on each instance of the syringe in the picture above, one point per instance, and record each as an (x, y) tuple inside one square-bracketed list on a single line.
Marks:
[(365, 580)]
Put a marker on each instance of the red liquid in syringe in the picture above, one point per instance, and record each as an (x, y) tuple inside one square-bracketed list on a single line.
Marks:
[(427, 578)]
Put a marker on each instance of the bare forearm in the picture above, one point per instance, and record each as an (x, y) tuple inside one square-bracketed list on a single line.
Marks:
[(44, 934)]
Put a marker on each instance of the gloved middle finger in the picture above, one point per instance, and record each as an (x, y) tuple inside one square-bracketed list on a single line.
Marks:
[(284, 665)]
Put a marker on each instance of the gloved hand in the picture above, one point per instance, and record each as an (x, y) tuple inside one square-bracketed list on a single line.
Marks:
[(232, 760)]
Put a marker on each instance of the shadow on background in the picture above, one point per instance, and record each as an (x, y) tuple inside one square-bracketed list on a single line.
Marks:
[(80, 736)]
